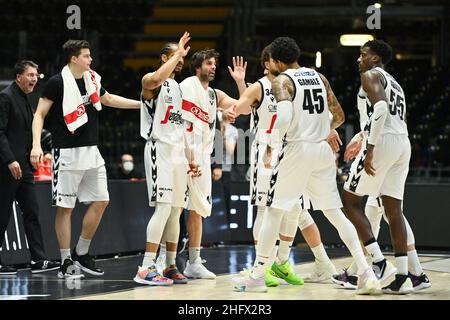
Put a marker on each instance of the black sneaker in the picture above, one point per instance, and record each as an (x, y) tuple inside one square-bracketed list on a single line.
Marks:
[(401, 285), (68, 270), (86, 263), (7, 271), (44, 266), (420, 282), (345, 280)]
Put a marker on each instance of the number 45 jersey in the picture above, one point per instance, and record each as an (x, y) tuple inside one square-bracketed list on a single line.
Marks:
[(395, 121), (310, 122)]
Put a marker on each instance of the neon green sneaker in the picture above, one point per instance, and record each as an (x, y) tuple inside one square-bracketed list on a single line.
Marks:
[(284, 271), (271, 278)]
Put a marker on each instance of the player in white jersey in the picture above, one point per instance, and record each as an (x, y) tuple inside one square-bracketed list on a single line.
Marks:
[(383, 166), (200, 104), (259, 101), (306, 162), (374, 210), (166, 165)]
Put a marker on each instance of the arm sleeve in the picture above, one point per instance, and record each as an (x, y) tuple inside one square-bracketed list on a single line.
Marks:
[(379, 116)]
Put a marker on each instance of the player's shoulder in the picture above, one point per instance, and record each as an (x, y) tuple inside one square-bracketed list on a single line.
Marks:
[(55, 79)]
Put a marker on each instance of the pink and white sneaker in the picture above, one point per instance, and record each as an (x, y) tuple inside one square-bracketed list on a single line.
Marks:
[(246, 283), (151, 277)]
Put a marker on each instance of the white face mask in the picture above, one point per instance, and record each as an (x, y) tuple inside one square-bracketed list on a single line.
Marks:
[(128, 166)]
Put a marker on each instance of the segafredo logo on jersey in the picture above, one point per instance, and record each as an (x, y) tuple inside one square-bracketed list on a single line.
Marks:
[(199, 113), (304, 74)]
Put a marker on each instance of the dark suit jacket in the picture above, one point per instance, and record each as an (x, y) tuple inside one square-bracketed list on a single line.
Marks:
[(16, 117)]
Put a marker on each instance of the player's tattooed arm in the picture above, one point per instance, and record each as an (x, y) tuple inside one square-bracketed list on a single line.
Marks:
[(333, 105), (283, 88)]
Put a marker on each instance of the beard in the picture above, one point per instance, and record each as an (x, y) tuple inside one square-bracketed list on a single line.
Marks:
[(275, 73)]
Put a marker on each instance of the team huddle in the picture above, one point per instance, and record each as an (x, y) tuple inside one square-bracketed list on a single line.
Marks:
[(294, 116)]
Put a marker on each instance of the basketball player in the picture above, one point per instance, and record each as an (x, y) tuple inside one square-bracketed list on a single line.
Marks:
[(382, 167), (166, 165), (306, 162), (259, 101), (74, 96), (200, 103), (374, 210)]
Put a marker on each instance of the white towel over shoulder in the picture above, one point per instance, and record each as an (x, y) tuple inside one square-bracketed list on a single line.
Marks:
[(74, 111), (195, 104)]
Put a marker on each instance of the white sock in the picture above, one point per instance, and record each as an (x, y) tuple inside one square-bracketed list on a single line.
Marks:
[(170, 258), (82, 247), (320, 254), (401, 263), (414, 265), (149, 259), (162, 249), (273, 257), (65, 253), (259, 267), (374, 251), (284, 250), (194, 253)]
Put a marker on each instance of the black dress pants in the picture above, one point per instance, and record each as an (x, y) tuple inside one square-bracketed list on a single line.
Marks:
[(24, 192)]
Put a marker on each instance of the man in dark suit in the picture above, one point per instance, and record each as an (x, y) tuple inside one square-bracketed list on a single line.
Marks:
[(16, 177)]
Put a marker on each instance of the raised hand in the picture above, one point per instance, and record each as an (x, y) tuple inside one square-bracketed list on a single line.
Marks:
[(239, 67), (183, 41)]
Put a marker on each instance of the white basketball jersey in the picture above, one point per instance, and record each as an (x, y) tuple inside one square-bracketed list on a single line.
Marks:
[(208, 137), (263, 116), (161, 117), (310, 120), (395, 120)]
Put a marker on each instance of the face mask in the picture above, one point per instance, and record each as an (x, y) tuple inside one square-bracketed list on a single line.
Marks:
[(128, 166)]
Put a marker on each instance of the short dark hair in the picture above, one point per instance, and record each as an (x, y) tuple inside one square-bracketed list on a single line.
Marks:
[(167, 49), (381, 49), (200, 56), (21, 66), (285, 49), (72, 48), (265, 56)]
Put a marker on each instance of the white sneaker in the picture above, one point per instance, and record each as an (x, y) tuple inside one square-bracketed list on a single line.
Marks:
[(248, 284), (368, 283), (323, 271), (197, 270), (161, 263), (383, 272)]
